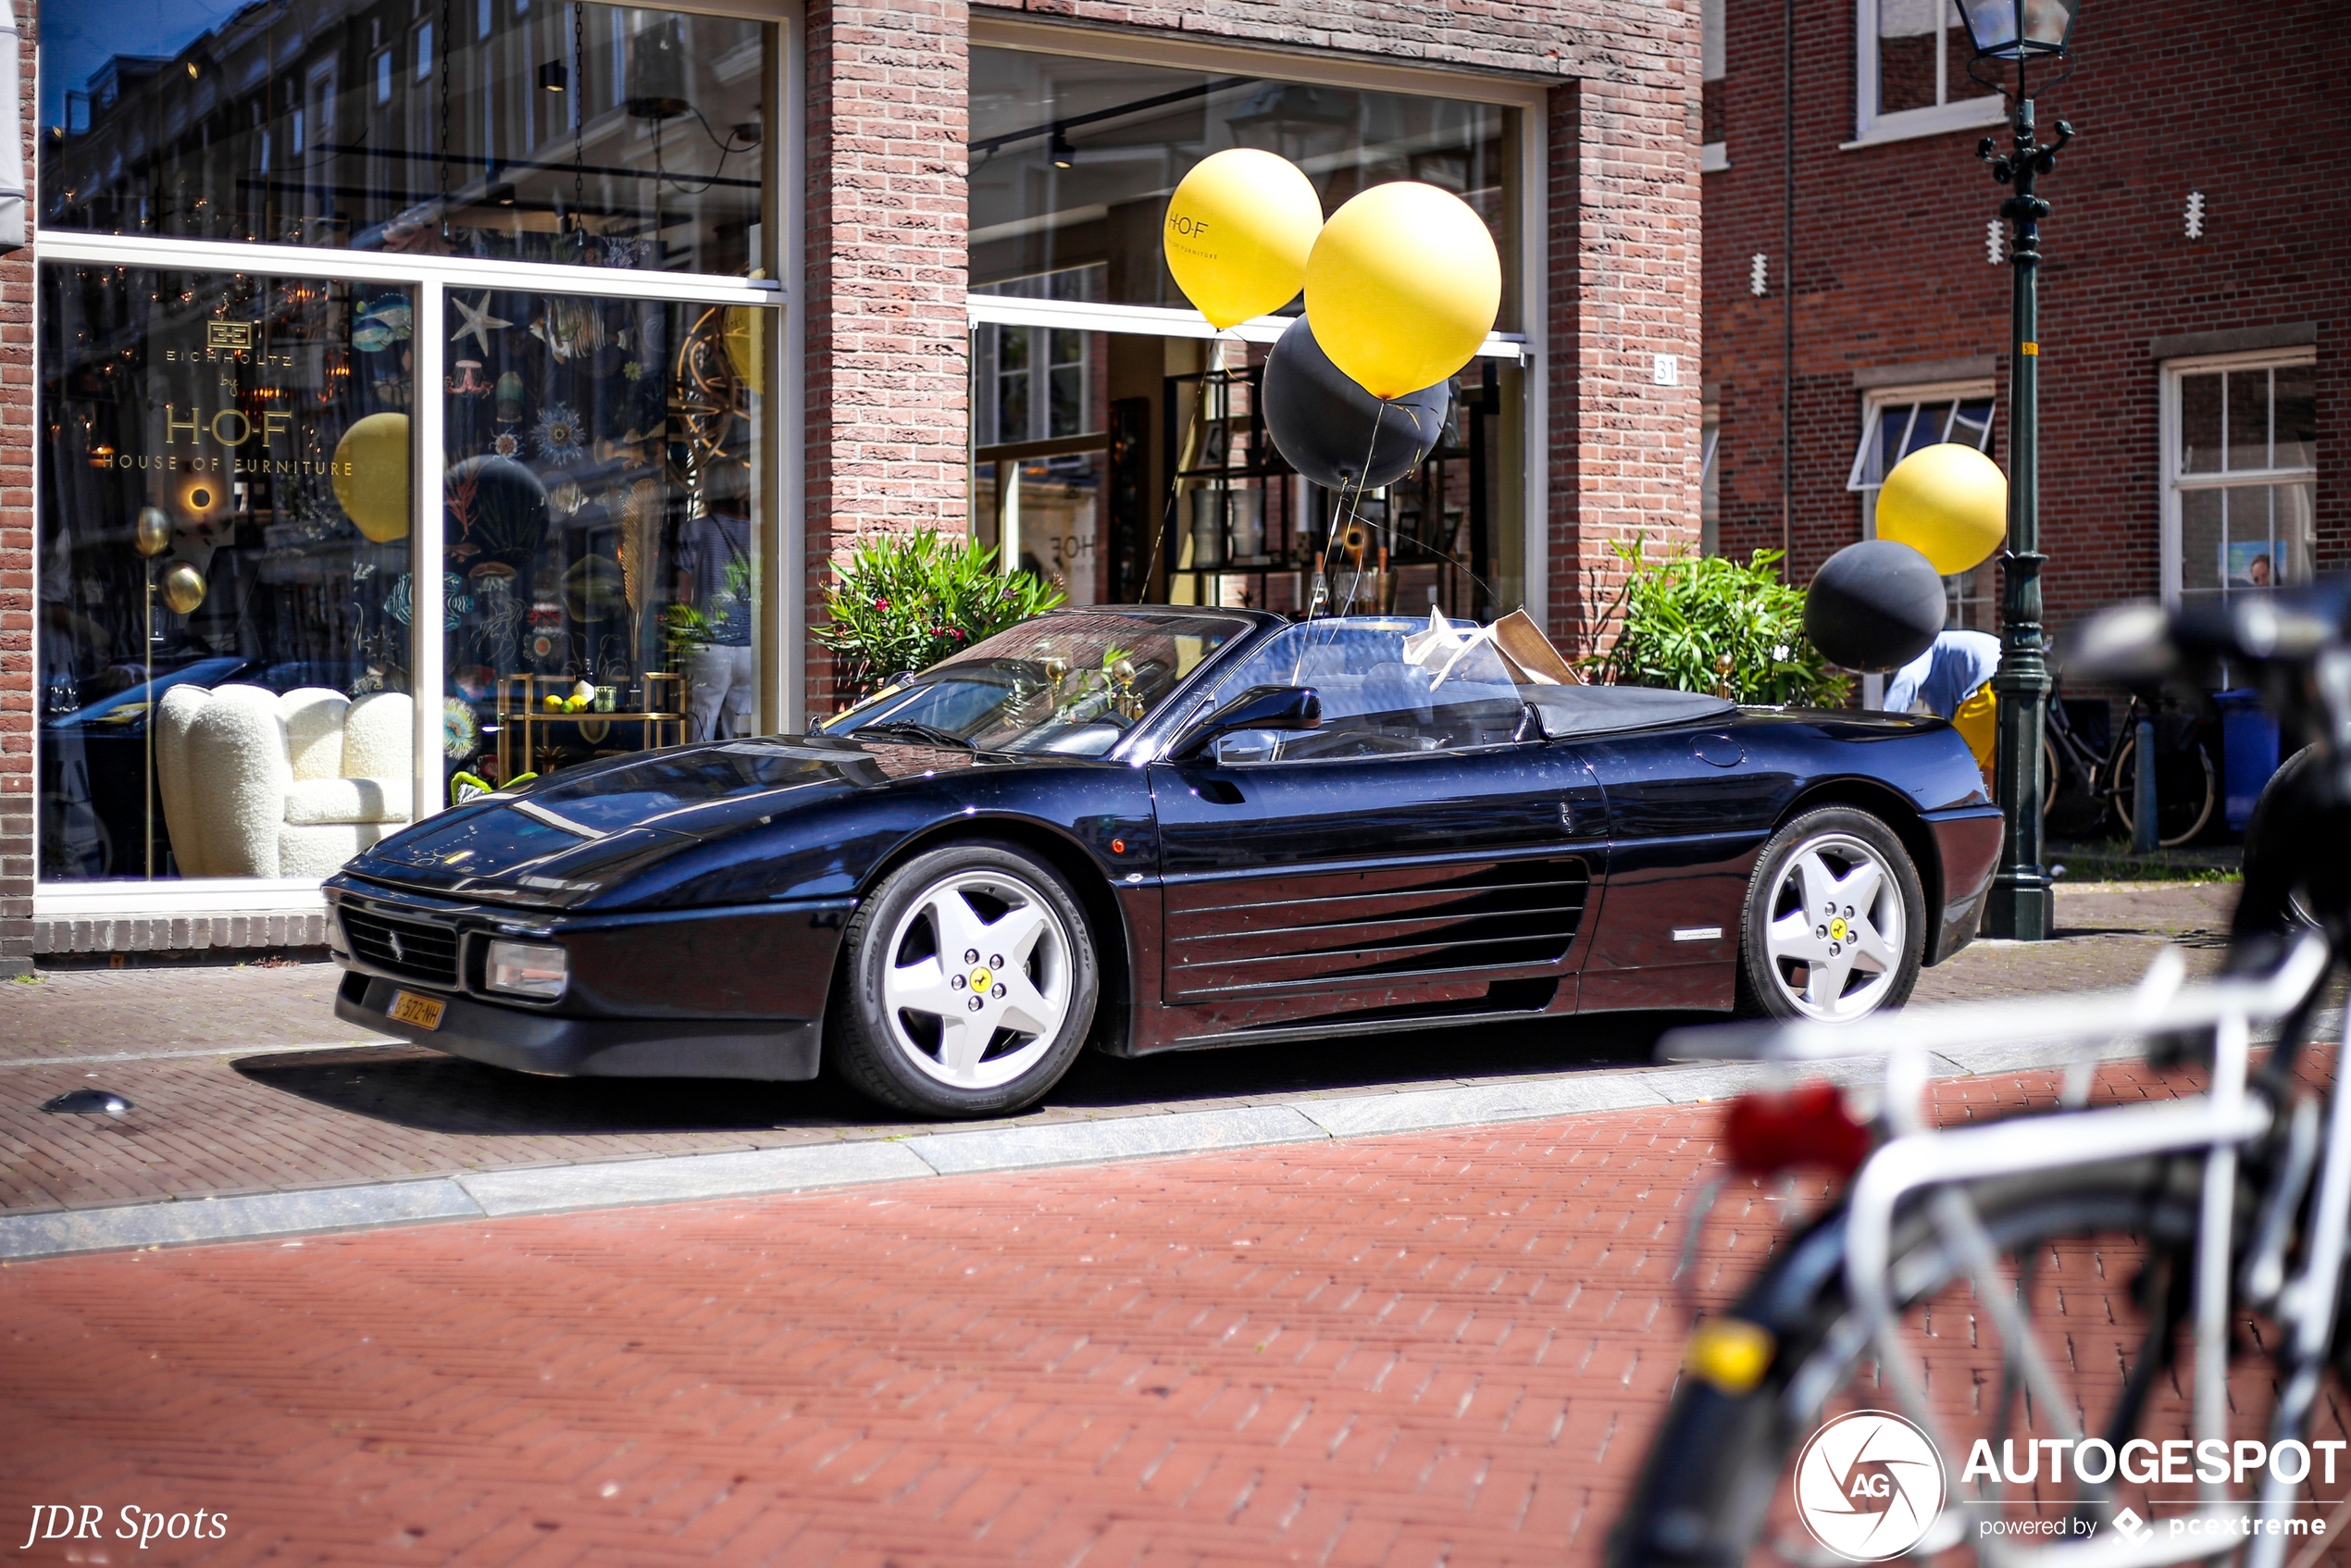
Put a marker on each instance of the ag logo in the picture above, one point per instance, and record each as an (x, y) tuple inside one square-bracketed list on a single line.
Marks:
[(1869, 1485)]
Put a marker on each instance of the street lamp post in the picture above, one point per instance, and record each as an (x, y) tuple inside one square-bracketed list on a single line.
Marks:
[(2025, 33)]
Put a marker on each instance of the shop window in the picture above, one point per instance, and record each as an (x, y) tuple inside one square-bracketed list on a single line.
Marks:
[(524, 140), (1898, 422), (601, 564), (1913, 70), (225, 582), (2240, 475), (1129, 463)]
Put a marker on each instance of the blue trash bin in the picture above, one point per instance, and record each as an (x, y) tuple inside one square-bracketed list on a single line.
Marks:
[(2249, 751)]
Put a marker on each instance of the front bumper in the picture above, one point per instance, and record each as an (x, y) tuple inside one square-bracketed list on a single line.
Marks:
[(736, 993), (533, 1041)]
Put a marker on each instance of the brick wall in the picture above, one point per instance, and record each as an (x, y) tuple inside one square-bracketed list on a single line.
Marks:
[(18, 679), (1890, 267), (887, 344)]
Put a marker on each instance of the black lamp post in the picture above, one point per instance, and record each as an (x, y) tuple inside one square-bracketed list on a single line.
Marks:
[(2027, 34)]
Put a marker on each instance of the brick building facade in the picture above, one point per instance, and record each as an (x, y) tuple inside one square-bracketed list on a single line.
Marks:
[(2198, 233), (846, 263)]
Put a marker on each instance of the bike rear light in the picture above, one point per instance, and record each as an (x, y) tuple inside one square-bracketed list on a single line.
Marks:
[(1766, 1134), (530, 969), (1731, 1353)]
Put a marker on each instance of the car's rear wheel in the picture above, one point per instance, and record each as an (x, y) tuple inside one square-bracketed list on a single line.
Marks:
[(1835, 921), (968, 986)]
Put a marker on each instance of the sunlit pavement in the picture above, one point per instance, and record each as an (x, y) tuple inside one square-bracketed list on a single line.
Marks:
[(1417, 1350), (244, 1082)]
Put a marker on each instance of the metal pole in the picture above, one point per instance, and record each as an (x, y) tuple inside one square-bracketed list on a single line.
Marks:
[(2020, 907), (2146, 835)]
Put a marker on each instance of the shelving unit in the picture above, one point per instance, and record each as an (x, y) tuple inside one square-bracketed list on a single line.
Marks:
[(526, 726)]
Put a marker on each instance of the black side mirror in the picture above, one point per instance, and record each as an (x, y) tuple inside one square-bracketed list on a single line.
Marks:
[(1259, 707)]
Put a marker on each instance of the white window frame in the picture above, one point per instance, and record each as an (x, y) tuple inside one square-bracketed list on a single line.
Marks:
[(1877, 400), (1870, 128), (773, 289), (2170, 483), (1160, 321)]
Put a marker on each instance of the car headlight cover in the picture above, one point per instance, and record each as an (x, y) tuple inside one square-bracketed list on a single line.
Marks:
[(531, 969)]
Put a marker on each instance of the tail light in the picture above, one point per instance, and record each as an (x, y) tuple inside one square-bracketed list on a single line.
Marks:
[(1769, 1133)]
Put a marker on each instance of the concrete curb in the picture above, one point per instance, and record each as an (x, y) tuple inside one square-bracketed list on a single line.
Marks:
[(692, 1178)]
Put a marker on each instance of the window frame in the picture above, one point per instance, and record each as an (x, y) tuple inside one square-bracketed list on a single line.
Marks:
[(2170, 483), (1869, 126), (779, 539), (1160, 321), (1874, 402)]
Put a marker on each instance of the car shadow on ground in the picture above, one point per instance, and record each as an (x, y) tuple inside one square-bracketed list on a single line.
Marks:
[(421, 1090)]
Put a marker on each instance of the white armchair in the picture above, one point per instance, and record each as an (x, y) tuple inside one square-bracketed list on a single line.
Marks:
[(256, 784)]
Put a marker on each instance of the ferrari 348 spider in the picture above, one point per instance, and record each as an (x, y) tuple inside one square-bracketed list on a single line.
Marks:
[(1160, 830)]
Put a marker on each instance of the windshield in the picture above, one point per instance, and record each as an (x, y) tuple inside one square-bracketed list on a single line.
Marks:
[(1069, 683)]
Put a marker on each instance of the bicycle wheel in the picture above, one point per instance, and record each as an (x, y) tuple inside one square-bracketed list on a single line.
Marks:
[(2187, 792), (2098, 1260)]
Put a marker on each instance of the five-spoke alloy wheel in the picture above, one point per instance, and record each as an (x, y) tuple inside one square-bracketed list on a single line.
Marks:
[(968, 984), (1836, 922)]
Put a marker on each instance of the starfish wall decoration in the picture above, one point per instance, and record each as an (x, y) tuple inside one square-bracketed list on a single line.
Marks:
[(477, 323)]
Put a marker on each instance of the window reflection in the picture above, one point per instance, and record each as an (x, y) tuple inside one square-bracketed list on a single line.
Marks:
[(1073, 161), (601, 135), (599, 500), (224, 578)]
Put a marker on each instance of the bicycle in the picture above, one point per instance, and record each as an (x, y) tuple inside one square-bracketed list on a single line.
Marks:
[(2119, 1226), (2187, 786)]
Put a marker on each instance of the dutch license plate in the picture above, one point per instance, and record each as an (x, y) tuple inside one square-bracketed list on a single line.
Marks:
[(423, 1012)]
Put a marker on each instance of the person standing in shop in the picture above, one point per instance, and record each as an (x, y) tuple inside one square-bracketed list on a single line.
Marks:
[(713, 577)]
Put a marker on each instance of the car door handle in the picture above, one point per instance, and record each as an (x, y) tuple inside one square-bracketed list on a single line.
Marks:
[(1583, 818)]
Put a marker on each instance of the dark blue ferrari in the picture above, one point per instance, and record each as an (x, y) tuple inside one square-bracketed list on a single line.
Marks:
[(1164, 828)]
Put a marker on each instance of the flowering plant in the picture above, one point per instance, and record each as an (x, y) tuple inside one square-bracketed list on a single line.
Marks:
[(905, 602)]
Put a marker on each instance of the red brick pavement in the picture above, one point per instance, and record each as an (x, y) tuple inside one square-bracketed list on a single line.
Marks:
[(1435, 1349)]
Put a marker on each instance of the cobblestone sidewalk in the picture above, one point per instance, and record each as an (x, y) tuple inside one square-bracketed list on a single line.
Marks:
[(244, 1081)]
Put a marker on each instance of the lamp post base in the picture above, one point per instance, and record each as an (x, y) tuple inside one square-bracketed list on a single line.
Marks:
[(2022, 906)]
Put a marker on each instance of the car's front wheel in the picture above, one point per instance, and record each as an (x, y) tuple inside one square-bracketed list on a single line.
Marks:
[(968, 986), (1836, 924)]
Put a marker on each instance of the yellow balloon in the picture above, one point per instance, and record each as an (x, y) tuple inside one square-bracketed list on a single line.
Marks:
[(746, 341), (1238, 233), (1948, 502), (371, 476), (1402, 286)]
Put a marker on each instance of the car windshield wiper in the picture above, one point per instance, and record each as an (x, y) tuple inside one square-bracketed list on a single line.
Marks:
[(917, 729)]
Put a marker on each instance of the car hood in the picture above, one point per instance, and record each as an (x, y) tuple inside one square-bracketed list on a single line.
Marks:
[(577, 837)]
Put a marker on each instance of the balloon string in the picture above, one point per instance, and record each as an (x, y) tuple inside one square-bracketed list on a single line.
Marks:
[(1351, 503)]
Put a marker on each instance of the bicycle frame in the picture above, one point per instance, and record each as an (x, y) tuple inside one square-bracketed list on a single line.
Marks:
[(1922, 1163)]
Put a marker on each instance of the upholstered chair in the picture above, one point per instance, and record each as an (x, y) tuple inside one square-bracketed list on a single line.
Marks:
[(256, 784)]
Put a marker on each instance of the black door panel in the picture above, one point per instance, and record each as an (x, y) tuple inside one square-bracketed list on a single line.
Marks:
[(1322, 875)]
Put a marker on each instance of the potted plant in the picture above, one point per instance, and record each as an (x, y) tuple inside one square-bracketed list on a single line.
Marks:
[(907, 600), (1707, 623)]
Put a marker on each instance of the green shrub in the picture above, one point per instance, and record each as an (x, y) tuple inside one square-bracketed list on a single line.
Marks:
[(1706, 623), (906, 602)]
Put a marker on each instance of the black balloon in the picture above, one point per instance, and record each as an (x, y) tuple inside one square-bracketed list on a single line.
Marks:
[(1874, 606), (498, 506), (1334, 432)]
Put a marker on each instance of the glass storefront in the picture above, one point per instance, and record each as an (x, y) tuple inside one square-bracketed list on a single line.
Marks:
[(225, 572), (594, 135), (1130, 466), (235, 626), (599, 557)]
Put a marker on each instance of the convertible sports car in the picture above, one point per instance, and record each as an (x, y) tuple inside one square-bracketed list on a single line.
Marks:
[(1163, 829)]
